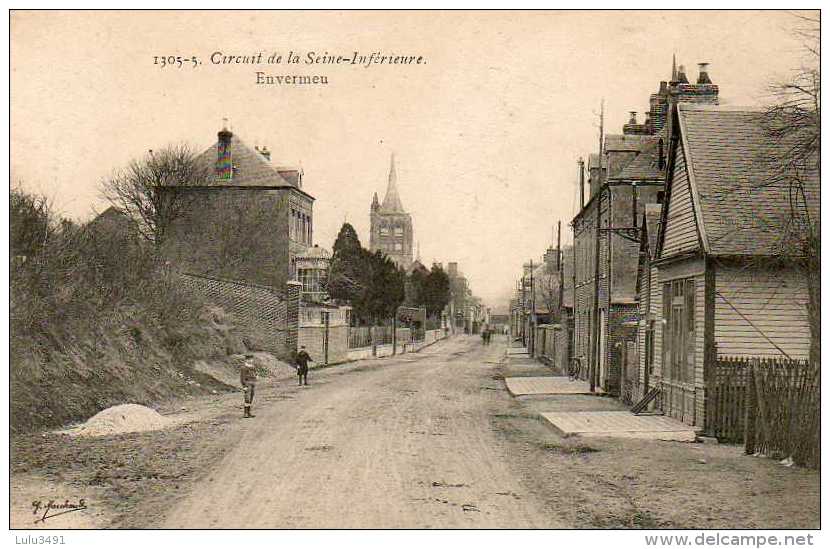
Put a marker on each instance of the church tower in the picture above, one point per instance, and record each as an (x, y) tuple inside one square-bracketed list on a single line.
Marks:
[(391, 226)]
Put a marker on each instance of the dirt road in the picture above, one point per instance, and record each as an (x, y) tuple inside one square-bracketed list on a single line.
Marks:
[(425, 440), (403, 443)]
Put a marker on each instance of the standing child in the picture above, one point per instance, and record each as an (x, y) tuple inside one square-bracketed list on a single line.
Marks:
[(247, 378), (302, 360)]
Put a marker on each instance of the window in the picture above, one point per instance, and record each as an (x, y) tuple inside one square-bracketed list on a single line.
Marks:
[(398, 231), (310, 279), (384, 231), (398, 247), (679, 330)]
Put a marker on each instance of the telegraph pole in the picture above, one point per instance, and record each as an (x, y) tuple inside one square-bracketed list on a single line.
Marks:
[(532, 338), (594, 374), (559, 269)]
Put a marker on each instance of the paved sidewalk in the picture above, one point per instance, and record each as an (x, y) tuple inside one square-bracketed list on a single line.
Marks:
[(619, 424), (547, 385)]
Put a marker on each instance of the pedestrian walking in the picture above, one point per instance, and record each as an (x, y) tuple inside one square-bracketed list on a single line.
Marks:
[(247, 378), (302, 359), (483, 336), (487, 334)]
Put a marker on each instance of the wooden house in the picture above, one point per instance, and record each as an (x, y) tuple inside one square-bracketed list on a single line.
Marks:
[(720, 288), (640, 379)]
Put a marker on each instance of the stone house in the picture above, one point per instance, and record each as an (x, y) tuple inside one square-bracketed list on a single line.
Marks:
[(248, 223)]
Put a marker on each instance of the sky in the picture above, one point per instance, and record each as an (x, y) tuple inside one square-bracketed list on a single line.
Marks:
[(486, 133)]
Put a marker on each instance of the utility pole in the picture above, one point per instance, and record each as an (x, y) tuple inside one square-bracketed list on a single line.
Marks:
[(559, 266), (532, 338), (595, 359), (581, 184)]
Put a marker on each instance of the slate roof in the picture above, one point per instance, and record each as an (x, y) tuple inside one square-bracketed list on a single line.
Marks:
[(292, 175), (741, 205), (628, 143), (251, 169), (594, 160), (644, 165)]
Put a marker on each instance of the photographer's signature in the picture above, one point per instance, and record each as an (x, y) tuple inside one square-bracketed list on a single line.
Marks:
[(52, 508)]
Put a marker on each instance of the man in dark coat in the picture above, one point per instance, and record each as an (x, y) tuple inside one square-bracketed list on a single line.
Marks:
[(247, 378), (302, 359)]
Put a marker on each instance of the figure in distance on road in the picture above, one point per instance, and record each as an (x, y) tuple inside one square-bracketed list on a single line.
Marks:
[(247, 377), (301, 360)]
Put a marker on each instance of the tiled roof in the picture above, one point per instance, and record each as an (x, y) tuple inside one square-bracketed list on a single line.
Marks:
[(251, 169), (744, 207)]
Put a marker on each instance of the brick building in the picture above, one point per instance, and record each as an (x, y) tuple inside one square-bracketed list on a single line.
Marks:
[(390, 225), (626, 174), (248, 223)]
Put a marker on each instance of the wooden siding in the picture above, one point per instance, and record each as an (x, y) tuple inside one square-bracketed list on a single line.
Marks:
[(657, 311), (755, 308), (683, 401), (681, 234)]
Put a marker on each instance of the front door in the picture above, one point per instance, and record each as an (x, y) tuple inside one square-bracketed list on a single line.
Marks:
[(679, 349)]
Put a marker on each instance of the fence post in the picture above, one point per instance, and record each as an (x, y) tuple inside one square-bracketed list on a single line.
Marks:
[(749, 410)]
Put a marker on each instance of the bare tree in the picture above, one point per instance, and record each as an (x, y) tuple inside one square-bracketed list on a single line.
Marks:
[(138, 189), (547, 288), (793, 122)]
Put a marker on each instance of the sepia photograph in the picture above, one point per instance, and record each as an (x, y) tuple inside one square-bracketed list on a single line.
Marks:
[(415, 270)]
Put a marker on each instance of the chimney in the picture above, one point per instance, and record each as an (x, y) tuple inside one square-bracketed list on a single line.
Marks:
[(703, 74), (681, 75), (658, 107), (224, 159), (703, 91), (632, 128)]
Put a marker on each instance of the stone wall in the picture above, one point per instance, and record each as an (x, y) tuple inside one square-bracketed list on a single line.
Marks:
[(262, 310)]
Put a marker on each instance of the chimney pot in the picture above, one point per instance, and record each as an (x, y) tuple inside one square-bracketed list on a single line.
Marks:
[(633, 119), (703, 74), (681, 75)]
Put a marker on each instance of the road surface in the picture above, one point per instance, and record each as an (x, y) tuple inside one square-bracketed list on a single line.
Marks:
[(402, 442)]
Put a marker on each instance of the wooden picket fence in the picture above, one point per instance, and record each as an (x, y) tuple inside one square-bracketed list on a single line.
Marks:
[(771, 405), (783, 411), (726, 398)]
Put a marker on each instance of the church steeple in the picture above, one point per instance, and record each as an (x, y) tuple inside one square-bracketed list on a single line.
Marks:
[(390, 225), (673, 67), (392, 201)]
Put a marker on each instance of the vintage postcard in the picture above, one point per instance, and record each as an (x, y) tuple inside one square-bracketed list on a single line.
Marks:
[(415, 270)]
